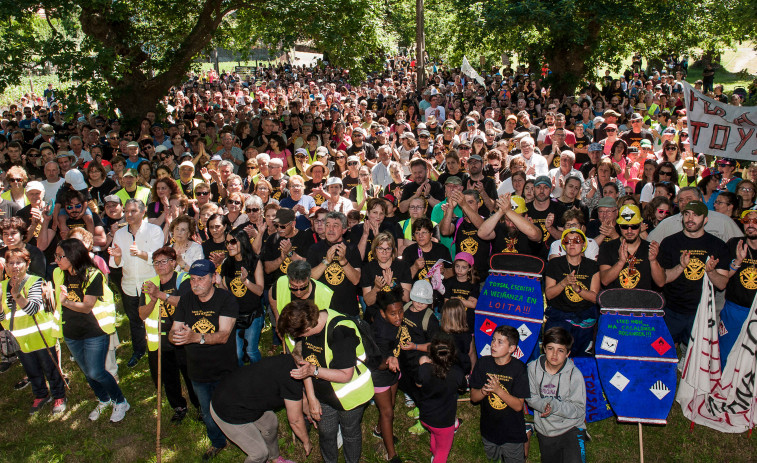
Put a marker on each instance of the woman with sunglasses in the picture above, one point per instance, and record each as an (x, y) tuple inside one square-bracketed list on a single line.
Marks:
[(572, 283), (214, 248), (16, 179), (709, 186), (671, 153), (657, 210), (340, 164), (235, 210), (87, 312), (242, 275), (664, 173)]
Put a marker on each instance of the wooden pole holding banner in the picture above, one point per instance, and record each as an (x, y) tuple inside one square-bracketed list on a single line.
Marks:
[(641, 445), (159, 401)]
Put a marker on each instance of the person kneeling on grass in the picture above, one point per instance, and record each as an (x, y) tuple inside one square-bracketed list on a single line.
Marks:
[(558, 398), (499, 383), (243, 407)]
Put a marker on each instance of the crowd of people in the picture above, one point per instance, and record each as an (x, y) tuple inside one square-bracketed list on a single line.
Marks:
[(292, 198)]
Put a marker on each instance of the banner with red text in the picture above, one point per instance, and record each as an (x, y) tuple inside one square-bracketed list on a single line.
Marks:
[(720, 129)]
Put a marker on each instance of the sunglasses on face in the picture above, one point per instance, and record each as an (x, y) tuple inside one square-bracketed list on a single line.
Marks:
[(281, 227), (673, 148), (609, 130), (16, 180), (234, 202), (352, 163), (299, 288), (632, 227), (666, 172), (232, 242), (202, 193), (71, 207), (568, 241), (663, 211)]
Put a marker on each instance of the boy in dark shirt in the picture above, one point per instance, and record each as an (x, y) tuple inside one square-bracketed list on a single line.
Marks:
[(500, 383)]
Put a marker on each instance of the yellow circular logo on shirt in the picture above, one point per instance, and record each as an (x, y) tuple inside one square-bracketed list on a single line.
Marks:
[(237, 287), (748, 278), (469, 245), (629, 280), (334, 274), (572, 295), (695, 270)]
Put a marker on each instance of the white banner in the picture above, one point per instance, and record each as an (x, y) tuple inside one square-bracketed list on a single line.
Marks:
[(720, 129), (470, 72), (722, 400)]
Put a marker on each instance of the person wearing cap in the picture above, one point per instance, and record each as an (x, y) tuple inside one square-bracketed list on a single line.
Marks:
[(727, 167), (317, 173), (335, 201), (646, 151), (624, 262), (203, 322), (720, 225), (610, 118), (186, 180), (509, 230), (572, 283), (680, 265), (131, 189), (485, 186), (131, 250), (595, 156), (46, 135), (133, 159), (113, 219), (637, 133), (741, 288), (364, 151), (545, 212), (604, 227), (35, 213), (282, 248)]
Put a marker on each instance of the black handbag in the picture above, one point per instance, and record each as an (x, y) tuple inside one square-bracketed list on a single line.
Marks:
[(244, 321)]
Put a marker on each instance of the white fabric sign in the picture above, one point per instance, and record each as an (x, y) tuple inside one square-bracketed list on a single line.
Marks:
[(470, 72)]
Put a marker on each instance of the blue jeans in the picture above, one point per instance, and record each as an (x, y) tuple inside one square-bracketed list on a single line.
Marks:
[(90, 354), (204, 393), (252, 336)]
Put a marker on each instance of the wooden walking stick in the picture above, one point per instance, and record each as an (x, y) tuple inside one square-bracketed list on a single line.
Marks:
[(641, 445)]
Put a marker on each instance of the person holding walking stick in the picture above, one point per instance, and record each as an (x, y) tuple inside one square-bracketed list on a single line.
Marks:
[(24, 316)]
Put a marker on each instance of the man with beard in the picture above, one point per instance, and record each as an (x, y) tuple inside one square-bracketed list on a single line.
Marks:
[(515, 233), (544, 211), (76, 208), (485, 186), (464, 230), (337, 264), (742, 284), (624, 262), (683, 259)]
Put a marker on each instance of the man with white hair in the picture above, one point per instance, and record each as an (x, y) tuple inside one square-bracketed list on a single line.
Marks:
[(536, 165), (558, 175), (380, 172)]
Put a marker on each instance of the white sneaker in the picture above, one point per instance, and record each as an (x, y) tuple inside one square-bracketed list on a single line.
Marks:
[(119, 411), (99, 409)]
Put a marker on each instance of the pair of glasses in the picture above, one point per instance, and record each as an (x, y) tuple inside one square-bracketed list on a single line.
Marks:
[(32, 155), (466, 148), (666, 173), (449, 129), (296, 289), (673, 148), (232, 242), (471, 124), (234, 202), (383, 249), (254, 209), (663, 211), (281, 227), (72, 207), (632, 227), (202, 193), (748, 221), (59, 257), (568, 241), (160, 262), (16, 180), (609, 130), (353, 163)]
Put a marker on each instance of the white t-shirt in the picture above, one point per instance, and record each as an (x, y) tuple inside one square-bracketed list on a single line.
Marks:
[(51, 189)]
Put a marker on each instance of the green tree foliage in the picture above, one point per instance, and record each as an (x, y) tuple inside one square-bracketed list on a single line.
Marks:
[(577, 37), (127, 54)]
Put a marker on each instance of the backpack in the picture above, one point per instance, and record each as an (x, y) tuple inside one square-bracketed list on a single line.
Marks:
[(373, 357)]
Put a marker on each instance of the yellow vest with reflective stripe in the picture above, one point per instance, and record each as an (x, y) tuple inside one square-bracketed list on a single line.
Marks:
[(7, 195), (193, 184), (104, 309), (284, 295), (141, 193), (152, 322), (25, 331)]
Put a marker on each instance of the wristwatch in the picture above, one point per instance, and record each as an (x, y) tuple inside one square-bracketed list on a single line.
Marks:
[(315, 372), (202, 338)]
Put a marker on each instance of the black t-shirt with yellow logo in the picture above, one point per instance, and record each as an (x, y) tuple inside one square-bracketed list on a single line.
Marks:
[(636, 274), (343, 343), (467, 240), (78, 325), (438, 251), (301, 242), (209, 362), (344, 299), (742, 287), (568, 299), (682, 295), (389, 339), (167, 310)]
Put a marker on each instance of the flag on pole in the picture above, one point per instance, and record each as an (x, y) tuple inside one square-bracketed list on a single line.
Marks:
[(470, 72)]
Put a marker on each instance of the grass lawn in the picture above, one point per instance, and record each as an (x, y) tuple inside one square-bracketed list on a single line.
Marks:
[(73, 438)]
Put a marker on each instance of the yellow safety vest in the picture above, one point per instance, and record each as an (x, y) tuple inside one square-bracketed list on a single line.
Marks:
[(142, 193), (359, 389), (29, 337), (104, 309), (193, 183), (7, 196), (152, 322)]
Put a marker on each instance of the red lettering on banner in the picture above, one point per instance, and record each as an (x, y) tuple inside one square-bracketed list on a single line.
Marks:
[(743, 120), (718, 111), (696, 125), (692, 99), (745, 136), (716, 129)]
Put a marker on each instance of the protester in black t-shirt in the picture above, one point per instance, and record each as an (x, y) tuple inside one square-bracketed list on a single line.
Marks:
[(424, 253), (624, 262), (383, 273), (282, 248), (245, 402), (337, 263), (204, 321), (510, 230)]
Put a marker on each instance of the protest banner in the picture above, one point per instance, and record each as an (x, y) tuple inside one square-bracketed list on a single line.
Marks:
[(719, 399), (512, 296), (468, 70), (720, 129)]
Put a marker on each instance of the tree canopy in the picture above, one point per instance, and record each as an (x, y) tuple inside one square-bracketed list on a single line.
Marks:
[(128, 54)]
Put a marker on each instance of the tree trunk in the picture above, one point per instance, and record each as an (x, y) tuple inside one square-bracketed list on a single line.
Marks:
[(420, 42), (567, 61)]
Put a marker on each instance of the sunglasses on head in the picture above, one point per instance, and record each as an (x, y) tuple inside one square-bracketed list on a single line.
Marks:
[(632, 227)]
